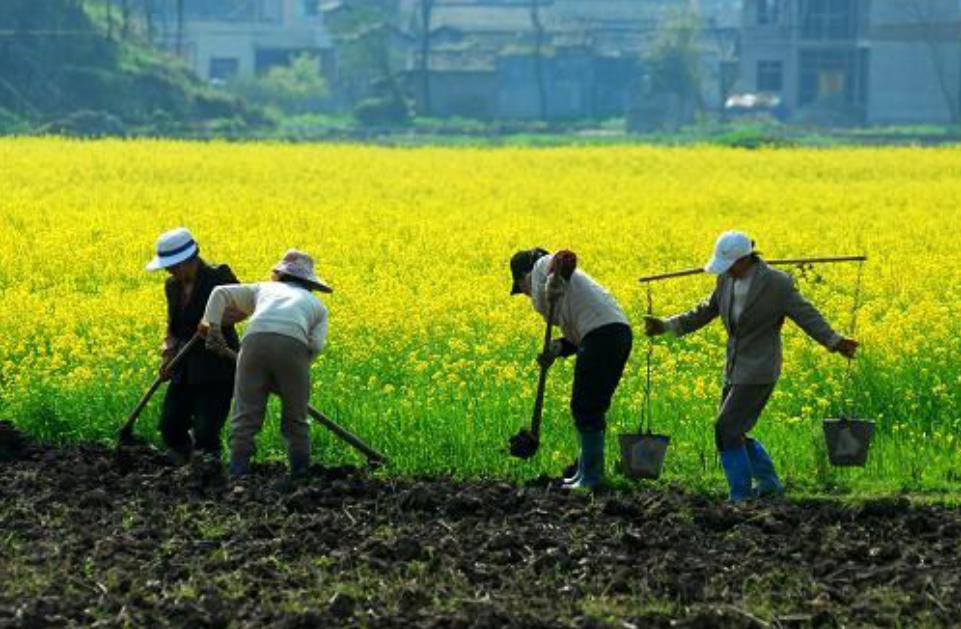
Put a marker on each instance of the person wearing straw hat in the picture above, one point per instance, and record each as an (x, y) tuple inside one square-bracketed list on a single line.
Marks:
[(200, 389), (286, 332), (752, 299), (595, 329)]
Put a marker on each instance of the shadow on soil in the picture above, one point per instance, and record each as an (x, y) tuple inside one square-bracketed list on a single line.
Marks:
[(89, 534)]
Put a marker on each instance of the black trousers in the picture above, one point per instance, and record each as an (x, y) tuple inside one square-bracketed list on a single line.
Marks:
[(597, 372), (741, 406), (202, 408)]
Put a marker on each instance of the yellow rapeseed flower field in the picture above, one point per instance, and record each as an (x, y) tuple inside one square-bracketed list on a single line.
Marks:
[(429, 358)]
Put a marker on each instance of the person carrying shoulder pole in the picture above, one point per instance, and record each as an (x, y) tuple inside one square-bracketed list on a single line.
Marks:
[(198, 396), (287, 331), (595, 329), (752, 299)]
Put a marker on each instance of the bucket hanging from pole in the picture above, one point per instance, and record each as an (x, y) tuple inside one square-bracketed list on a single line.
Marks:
[(642, 454), (849, 438)]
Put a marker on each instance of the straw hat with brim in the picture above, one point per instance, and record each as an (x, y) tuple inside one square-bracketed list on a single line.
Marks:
[(173, 247), (299, 265)]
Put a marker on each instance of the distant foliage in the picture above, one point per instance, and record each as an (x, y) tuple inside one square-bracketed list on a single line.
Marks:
[(298, 88)]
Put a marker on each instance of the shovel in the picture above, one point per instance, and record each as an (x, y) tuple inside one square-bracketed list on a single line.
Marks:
[(126, 437), (374, 458), (525, 443)]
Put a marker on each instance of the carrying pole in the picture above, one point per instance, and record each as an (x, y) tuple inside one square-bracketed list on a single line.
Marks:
[(782, 262)]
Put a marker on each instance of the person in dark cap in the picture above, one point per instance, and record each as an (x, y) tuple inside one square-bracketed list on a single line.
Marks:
[(200, 389), (595, 329)]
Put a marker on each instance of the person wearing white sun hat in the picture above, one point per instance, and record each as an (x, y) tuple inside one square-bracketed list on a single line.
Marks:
[(198, 397), (752, 299), (286, 332)]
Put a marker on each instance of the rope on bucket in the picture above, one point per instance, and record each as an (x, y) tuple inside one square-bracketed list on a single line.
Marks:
[(650, 354), (849, 412)]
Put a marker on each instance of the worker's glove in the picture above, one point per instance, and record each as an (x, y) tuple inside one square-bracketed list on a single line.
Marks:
[(215, 342), (563, 263), (654, 326), (847, 347), (554, 350), (555, 287)]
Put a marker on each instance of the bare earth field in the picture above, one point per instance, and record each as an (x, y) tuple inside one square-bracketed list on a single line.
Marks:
[(94, 536)]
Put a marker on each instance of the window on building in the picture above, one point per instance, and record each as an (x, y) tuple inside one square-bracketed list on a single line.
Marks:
[(828, 19), (311, 8), (770, 76), (768, 11), (833, 77), (223, 68)]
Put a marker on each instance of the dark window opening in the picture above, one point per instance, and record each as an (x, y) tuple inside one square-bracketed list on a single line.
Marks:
[(223, 68), (768, 11), (828, 19), (770, 76), (832, 77)]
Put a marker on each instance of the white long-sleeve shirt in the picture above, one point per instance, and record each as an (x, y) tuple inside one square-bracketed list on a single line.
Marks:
[(274, 307), (585, 306)]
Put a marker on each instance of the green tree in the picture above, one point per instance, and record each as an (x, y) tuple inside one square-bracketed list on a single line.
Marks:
[(297, 88), (673, 62)]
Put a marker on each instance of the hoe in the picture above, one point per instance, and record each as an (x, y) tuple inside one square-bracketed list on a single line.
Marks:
[(127, 437)]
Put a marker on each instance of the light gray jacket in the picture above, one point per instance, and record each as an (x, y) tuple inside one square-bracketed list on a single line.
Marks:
[(754, 353)]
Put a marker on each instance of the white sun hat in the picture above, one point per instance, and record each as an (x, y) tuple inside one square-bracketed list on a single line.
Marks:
[(173, 247), (731, 246), (301, 266)]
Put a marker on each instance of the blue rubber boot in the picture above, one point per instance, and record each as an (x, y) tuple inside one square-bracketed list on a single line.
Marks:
[(762, 467), (591, 461), (737, 469)]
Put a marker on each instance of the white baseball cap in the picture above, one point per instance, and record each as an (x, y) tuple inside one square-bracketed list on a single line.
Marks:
[(730, 247), (173, 247)]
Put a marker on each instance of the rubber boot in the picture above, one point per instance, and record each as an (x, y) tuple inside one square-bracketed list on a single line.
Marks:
[(591, 461), (762, 468), (239, 466), (737, 469), (299, 462)]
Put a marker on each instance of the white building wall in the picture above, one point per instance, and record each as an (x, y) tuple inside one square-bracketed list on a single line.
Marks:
[(904, 86)]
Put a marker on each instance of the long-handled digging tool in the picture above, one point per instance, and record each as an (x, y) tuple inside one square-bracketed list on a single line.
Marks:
[(525, 443), (126, 437), (374, 458)]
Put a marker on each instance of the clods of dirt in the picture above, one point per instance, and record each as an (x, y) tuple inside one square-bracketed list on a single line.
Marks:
[(12, 441), (91, 535)]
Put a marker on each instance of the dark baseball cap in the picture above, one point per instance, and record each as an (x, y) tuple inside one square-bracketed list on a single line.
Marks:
[(522, 263)]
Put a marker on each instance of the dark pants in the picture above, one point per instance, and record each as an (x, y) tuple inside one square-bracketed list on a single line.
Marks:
[(741, 406), (201, 407), (597, 372)]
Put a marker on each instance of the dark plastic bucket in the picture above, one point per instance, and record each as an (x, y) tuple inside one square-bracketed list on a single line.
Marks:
[(642, 455), (848, 441)]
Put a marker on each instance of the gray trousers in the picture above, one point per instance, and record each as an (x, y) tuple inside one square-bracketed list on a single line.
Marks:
[(741, 405), (271, 363)]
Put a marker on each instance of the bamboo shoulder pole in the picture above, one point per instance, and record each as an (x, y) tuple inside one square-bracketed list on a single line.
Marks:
[(781, 262)]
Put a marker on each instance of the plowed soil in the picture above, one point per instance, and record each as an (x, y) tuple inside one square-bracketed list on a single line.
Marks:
[(92, 535)]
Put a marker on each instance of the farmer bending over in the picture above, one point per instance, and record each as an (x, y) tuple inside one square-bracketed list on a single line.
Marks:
[(595, 328), (200, 389), (287, 331), (752, 300)]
